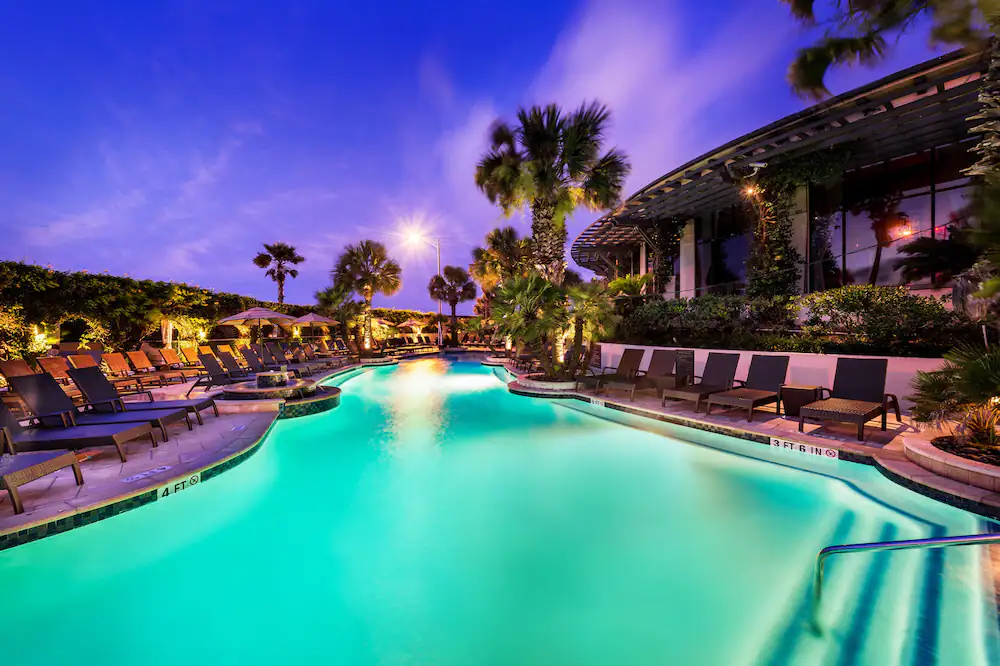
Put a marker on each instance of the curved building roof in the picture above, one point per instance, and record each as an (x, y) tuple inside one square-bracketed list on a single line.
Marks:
[(919, 108)]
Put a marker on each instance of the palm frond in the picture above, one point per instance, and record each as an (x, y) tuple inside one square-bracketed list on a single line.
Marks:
[(807, 73), (602, 186)]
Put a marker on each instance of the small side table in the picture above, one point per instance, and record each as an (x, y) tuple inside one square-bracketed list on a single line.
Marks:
[(794, 396)]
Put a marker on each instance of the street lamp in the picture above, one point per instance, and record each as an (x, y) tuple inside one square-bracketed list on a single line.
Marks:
[(414, 236)]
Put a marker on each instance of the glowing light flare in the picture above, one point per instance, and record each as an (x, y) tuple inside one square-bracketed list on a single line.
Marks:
[(750, 190)]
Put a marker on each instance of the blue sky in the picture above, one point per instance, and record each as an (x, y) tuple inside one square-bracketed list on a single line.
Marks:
[(168, 140)]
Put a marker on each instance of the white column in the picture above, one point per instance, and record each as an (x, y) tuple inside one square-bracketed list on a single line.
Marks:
[(800, 232), (687, 259), (642, 258)]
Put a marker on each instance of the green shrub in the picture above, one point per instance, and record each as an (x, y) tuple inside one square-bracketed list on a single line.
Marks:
[(884, 320)]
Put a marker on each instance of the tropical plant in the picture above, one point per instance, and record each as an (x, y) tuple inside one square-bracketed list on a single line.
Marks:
[(533, 311), (453, 286), (278, 259), (628, 285), (592, 314), (856, 32), (367, 269), (504, 256), (964, 391), (551, 162), (337, 302)]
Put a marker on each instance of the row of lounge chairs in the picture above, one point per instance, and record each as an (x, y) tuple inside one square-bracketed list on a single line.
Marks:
[(857, 396)]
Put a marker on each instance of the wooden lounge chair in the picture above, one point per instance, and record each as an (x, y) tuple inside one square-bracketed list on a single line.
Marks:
[(206, 349), (20, 439), (628, 366), (719, 374), (762, 387), (15, 367), (174, 362), (191, 356), (119, 367), (125, 385), (57, 366), (99, 391), (858, 395), (51, 407), (17, 470), (144, 367)]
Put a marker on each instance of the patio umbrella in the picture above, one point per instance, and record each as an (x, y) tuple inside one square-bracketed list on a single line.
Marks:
[(413, 323), (313, 319), (248, 317)]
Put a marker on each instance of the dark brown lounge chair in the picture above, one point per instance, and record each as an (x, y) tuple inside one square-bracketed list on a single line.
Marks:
[(100, 392), (719, 374), (661, 373), (214, 375), (762, 387), (20, 439), (17, 470), (625, 371), (51, 407), (858, 395)]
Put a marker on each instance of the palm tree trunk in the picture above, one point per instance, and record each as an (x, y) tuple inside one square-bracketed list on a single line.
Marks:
[(454, 324), (548, 240), (873, 276), (369, 343), (281, 289), (577, 349)]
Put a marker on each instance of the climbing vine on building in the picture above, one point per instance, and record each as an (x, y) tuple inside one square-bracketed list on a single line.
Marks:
[(774, 266), (667, 236)]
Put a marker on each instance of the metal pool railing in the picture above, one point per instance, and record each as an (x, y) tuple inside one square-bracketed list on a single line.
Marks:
[(939, 542)]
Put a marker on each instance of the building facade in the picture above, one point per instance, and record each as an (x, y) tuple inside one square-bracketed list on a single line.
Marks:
[(907, 138)]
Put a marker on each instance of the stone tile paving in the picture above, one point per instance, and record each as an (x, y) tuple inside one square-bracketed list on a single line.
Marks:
[(57, 495)]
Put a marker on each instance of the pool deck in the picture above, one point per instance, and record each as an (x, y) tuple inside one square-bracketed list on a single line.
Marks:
[(56, 504)]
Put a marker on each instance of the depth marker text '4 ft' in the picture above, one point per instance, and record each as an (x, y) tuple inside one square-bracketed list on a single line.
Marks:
[(179, 485)]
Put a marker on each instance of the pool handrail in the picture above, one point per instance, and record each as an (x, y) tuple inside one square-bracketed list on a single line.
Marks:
[(937, 542)]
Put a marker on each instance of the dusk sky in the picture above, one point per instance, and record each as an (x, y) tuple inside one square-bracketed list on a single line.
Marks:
[(168, 140)]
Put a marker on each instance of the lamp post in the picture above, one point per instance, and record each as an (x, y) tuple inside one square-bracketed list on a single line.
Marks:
[(414, 236)]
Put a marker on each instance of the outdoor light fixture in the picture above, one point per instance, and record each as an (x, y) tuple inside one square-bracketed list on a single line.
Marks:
[(414, 235), (750, 190), (201, 334)]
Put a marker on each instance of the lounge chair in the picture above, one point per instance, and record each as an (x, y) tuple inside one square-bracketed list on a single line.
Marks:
[(628, 366), (16, 471), (301, 367), (51, 407), (858, 395), (20, 439), (719, 375), (99, 391), (123, 384), (144, 366), (762, 387), (57, 366), (119, 367), (206, 349), (15, 367), (235, 370), (191, 356), (174, 362), (214, 375), (660, 374)]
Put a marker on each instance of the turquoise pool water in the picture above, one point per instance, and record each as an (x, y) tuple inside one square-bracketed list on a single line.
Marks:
[(434, 518)]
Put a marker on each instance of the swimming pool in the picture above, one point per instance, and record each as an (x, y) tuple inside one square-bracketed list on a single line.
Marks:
[(434, 518)]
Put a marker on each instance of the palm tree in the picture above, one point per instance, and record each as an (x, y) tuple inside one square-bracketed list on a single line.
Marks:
[(338, 302), (367, 270), (532, 311), (276, 259), (453, 286), (551, 161), (593, 314), (503, 257), (629, 285)]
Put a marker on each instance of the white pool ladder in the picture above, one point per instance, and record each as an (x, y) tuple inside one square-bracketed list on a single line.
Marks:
[(939, 542)]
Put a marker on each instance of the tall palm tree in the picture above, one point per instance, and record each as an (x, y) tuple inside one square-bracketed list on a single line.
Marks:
[(338, 302), (277, 258), (532, 310), (367, 269), (551, 162), (453, 286)]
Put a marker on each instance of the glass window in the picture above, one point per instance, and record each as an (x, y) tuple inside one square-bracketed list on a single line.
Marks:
[(952, 208), (826, 239), (876, 229), (723, 248)]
